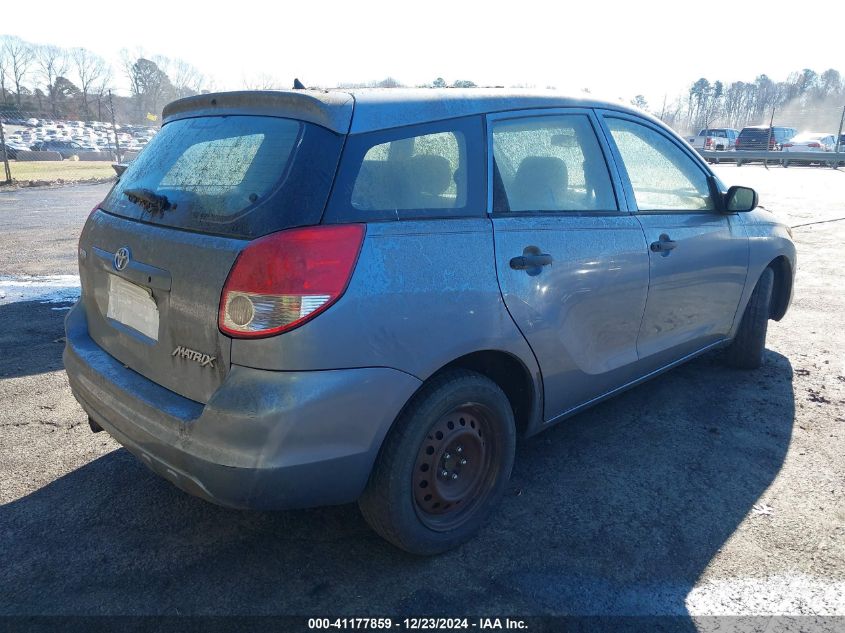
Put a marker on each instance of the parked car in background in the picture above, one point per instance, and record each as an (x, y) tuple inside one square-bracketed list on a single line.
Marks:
[(763, 137), (65, 148), (13, 121), (814, 142), (313, 297), (811, 142), (714, 138), (12, 149)]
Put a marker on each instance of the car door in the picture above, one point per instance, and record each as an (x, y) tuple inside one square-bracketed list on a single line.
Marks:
[(698, 257), (572, 262)]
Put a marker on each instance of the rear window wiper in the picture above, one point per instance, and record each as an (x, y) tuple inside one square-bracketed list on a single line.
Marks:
[(149, 200)]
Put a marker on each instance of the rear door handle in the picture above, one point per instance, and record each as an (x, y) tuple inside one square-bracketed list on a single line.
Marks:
[(663, 245), (528, 262)]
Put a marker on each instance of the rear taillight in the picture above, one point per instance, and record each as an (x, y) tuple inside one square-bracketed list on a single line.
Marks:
[(280, 281), (736, 143), (787, 144), (809, 145), (708, 142)]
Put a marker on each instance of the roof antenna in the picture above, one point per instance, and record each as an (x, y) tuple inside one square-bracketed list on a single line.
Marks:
[(298, 85)]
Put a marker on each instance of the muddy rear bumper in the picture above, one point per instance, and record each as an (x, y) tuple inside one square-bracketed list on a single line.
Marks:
[(265, 439)]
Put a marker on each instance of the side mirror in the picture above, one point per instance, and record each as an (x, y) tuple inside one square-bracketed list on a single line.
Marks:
[(740, 199)]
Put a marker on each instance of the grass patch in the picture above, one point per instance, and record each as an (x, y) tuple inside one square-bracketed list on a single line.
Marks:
[(66, 170)]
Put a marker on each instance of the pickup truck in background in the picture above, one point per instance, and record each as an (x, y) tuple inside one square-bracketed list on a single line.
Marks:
[(714, 138)]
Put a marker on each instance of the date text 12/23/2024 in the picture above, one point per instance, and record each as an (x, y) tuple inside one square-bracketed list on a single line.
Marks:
[(417, 624)]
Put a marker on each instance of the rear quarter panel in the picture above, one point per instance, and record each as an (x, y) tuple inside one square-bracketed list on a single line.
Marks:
[(423, 294)]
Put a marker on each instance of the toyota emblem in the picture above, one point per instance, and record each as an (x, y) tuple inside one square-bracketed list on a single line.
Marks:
[(121, 258)]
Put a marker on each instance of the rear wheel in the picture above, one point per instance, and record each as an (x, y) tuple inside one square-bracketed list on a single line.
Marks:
[(444, 465), (746, 350)]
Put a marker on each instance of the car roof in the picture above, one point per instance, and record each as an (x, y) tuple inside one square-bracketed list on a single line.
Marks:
[(766, 127), (369, 109)]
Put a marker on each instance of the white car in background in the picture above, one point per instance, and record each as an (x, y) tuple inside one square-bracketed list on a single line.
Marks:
[(811, 142)]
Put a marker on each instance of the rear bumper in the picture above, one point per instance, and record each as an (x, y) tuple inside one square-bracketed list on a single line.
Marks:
[(266, 439)]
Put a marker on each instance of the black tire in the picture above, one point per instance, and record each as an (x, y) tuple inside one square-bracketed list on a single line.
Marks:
[(407, 480), (746, 350)]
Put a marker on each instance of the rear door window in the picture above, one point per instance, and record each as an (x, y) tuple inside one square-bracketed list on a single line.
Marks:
[(550, 163), (431, 170), (231, 175)]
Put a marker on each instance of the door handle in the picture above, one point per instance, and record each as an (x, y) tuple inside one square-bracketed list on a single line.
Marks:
[(529, 262), (663, 245)]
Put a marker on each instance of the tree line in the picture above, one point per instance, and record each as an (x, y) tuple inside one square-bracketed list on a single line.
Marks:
[(806, 99), (45, 80), (49, 81)]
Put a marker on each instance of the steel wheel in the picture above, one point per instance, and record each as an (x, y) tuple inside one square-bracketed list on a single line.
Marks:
[(424, 494), (455, 467)]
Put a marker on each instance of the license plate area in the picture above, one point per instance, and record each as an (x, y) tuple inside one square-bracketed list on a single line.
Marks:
[(133, 306)]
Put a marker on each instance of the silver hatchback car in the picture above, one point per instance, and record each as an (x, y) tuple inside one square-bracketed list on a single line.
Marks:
[(305, 298)]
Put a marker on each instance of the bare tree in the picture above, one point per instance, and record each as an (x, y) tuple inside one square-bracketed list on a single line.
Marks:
[(19, 56), (389, 82), (52, 63), (264, 81), (830, 83), (90, 69), (149, 84), (4, 68), (187, 80), (127, 61), (101, 88)]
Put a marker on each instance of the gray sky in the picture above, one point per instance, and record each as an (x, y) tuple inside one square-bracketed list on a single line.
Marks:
[(616, 49)]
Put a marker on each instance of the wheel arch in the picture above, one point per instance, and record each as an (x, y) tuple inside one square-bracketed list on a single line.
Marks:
[(523, 390), (782, 291)]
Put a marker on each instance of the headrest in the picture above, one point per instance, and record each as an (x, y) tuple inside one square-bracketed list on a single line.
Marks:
[(541, 184), (429, 173)]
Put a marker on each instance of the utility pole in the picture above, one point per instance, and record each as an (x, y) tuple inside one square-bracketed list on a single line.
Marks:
[(839, 133), (7, 169), (769, 142), (114, 128)]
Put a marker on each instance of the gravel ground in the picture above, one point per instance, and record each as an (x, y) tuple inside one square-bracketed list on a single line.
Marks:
[(707, 491)]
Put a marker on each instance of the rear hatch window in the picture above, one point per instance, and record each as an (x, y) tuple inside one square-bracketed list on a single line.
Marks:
[(238, 176), (755, 135)]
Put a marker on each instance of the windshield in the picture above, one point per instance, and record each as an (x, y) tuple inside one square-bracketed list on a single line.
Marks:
[(232, 175)]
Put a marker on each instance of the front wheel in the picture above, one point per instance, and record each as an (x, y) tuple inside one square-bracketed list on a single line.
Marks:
[(746, 350), (444, 465)]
